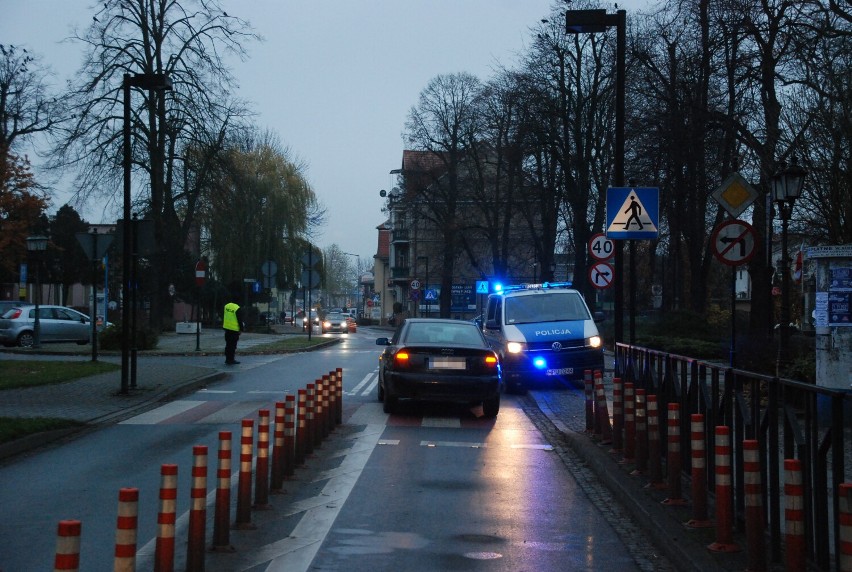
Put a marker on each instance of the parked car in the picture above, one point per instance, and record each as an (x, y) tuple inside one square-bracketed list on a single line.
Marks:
[(56, 324), (6, 305), (435, 359), (335, 322)]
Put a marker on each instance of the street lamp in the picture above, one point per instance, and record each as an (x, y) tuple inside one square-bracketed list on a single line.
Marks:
[(592, 22), (37, 245), (149, 81), (786, 186)]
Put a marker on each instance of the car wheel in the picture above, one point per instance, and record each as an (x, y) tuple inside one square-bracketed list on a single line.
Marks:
[(490, 407), (389, 405), (26, 339)]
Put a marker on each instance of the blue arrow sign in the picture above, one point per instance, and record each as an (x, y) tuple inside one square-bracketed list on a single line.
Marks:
[(632, 213)]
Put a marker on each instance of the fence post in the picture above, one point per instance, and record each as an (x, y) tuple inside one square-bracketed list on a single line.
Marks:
[(755, 541), (699, 474), (724, 494), (794, 515), (67, 555), (674, 462), (164, 553)]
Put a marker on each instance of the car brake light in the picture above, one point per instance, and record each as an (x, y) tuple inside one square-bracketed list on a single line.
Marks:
[(490, 360), (16, 315), (402, 356)]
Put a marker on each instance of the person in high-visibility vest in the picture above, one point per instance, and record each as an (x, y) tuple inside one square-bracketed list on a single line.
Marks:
[(232, 323)]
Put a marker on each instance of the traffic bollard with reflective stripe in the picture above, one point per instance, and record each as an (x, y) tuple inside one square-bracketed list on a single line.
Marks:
[(724, 494), (629, 424), (845, 527), (674, 463), (276, 481), (655, 448), (164, 553), (302, 427), (222, 515), (126, 527), (289, 435), (197, 510), (338, 389), (795, 549), (641, 434), (67, 555), (261, 477), (617, 415), (590, 401), (310, 419), (699, 474), (243, 517), (602, 410), (755, 529)]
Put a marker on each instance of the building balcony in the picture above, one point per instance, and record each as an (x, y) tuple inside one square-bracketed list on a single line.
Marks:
[(400, 235), (400, 272)]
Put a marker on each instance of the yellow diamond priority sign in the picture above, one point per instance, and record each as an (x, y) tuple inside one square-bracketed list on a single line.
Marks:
[(735, 194)]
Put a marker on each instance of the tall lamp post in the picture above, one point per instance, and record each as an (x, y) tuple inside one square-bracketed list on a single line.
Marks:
[(149, 81), (787, 186), (592, 22), (37, 245)]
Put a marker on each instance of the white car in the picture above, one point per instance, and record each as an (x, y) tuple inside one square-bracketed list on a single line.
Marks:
[(56, 324)]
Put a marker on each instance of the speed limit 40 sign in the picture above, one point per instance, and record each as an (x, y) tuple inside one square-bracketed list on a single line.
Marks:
[(600, 247)]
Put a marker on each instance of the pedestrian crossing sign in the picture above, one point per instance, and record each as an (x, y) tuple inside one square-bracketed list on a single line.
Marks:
[(632, 213)]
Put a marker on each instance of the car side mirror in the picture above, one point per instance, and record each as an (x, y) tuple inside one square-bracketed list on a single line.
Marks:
[(382, 342)]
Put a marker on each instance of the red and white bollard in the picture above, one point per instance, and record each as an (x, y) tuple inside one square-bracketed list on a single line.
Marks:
[(591, 419), (699, 474), (629, 424), (674, 462), (602, 410), (261, 478), (325, 398), (222, 516), (724, 494), (795, 548), (655, 446), (67, 555), (755, 528), (641, 434), (302, 426), (164, 553), (243, 517), (289, 435), (197, 538), (126, 528), (277, 479), (338, 390), (310, 419), (617, 415)]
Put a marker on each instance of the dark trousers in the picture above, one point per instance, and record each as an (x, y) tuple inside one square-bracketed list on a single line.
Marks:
[(231, 339)]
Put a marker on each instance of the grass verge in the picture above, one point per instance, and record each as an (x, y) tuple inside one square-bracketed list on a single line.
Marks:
[(12, 428), (24, 373)]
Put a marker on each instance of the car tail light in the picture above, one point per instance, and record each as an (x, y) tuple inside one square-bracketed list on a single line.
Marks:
[(491, 361), (401, 357), (16, 315)]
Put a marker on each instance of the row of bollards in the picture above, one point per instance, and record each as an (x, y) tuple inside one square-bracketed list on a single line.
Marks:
[(633, 432), (299, 428)]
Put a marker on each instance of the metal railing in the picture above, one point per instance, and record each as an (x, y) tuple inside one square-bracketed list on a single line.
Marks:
[(790, 419)]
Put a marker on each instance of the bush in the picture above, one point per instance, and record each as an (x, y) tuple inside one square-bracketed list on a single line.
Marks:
[(110, 338)]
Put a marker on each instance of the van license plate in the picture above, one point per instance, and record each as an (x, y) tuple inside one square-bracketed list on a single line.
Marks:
[(560, 371)]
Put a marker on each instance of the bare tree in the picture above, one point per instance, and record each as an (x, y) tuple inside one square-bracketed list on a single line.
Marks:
[(187, 41)]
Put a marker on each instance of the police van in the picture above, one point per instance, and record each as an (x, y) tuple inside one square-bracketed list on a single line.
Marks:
[(542, 333)]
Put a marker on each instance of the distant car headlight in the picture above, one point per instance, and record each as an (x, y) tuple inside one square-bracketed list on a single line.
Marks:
[(594, 342), (327, 324), (515, 347)]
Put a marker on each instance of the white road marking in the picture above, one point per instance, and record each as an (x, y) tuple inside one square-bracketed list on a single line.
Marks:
[(362, 383), (162, 413), (453, 444), (388, 441), (215, 391)]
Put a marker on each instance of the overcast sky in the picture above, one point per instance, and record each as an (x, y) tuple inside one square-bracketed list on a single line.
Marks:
[(334, 79)]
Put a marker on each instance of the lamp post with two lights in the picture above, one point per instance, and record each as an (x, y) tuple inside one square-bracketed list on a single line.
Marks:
[(151, 82), (787, 186)]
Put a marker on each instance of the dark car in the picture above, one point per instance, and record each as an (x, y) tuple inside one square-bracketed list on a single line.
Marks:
[(335, 322), (433, 359)]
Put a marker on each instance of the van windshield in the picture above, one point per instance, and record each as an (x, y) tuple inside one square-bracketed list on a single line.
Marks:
[(545, 307)]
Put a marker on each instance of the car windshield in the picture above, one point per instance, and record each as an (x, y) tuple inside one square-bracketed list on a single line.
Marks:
[(334, 317), (555, 307), (461, 333)]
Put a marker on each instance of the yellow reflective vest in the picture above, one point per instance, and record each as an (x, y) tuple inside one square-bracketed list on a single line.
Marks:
[(230, 322)]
